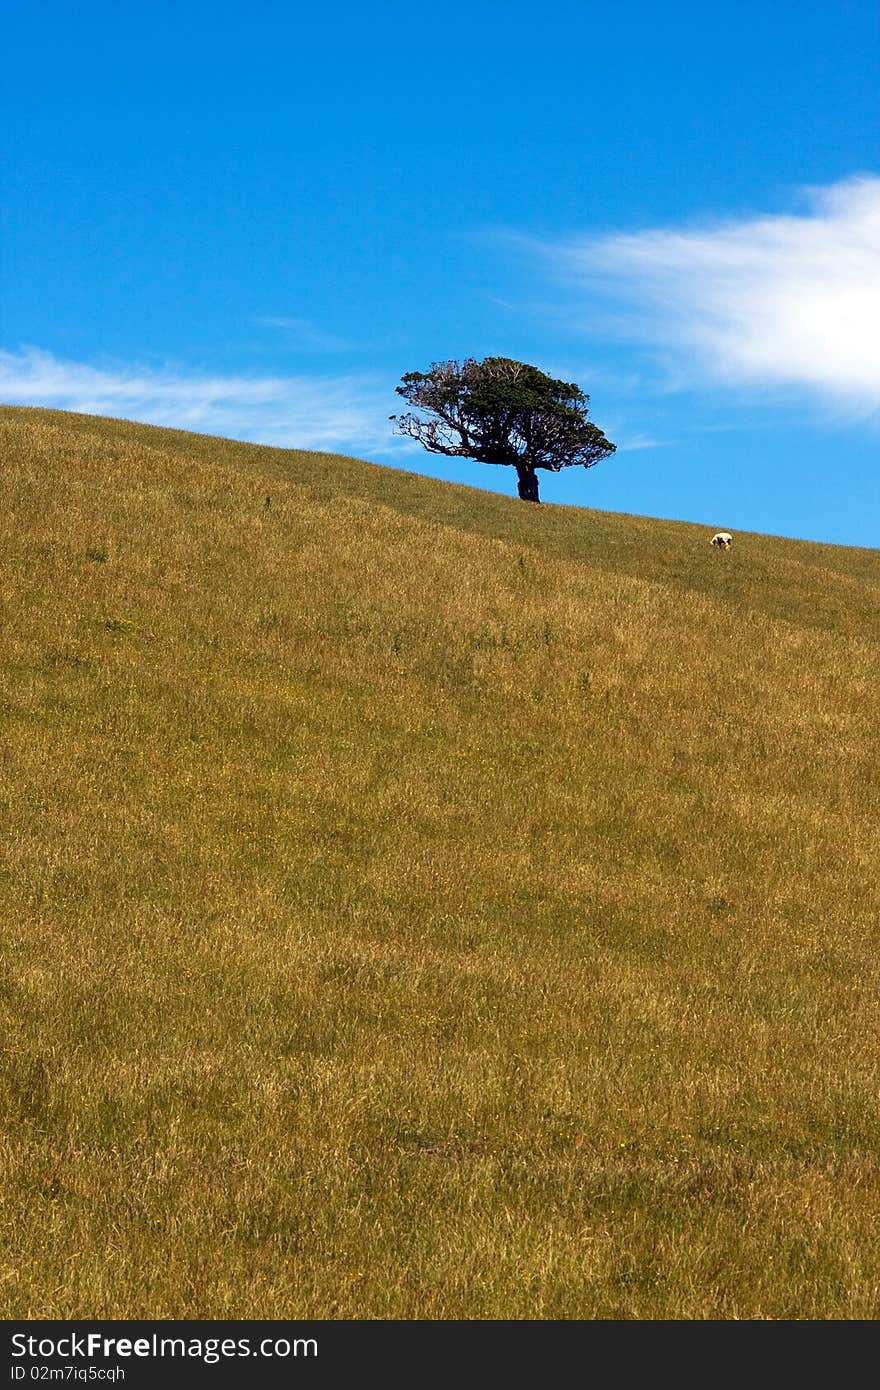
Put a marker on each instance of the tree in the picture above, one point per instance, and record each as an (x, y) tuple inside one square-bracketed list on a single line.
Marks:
[(500, 411)]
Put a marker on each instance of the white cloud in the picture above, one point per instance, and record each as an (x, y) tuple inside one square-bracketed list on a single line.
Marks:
[(631, 443), (306, 412), (769, 301), (303, 333)]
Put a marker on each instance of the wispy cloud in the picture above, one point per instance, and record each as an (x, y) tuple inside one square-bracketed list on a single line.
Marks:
[(631, 443), (762, 301), (307, 412), (303, 333)]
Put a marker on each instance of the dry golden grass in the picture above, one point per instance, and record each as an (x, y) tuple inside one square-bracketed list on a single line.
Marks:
[(416, 904)]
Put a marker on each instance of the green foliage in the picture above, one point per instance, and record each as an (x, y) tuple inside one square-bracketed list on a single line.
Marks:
[(502, 412)]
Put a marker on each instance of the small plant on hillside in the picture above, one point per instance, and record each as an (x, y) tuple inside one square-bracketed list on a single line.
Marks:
[(501, 411)]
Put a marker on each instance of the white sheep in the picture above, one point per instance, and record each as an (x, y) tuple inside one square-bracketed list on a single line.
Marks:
[(722, 540)]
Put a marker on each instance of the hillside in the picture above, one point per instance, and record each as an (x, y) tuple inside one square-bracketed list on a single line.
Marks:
[(418, 904)]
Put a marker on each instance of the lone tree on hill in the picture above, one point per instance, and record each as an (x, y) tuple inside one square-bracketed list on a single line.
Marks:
[(500, 411)]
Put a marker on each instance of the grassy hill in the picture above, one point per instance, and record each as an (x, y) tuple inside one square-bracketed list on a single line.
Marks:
[(418, 904)]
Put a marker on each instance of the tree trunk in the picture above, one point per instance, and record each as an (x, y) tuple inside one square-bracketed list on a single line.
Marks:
[(527, 485)]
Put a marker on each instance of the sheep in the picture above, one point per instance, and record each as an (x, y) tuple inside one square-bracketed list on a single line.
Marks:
[(721, 540)]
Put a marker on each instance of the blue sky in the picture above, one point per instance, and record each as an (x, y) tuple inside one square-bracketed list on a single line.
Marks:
[(252, 219)]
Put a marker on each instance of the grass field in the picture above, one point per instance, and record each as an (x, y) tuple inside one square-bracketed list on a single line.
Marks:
[(420, 904)]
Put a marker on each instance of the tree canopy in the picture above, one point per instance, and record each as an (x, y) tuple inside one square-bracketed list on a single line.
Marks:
[(505, 412)]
